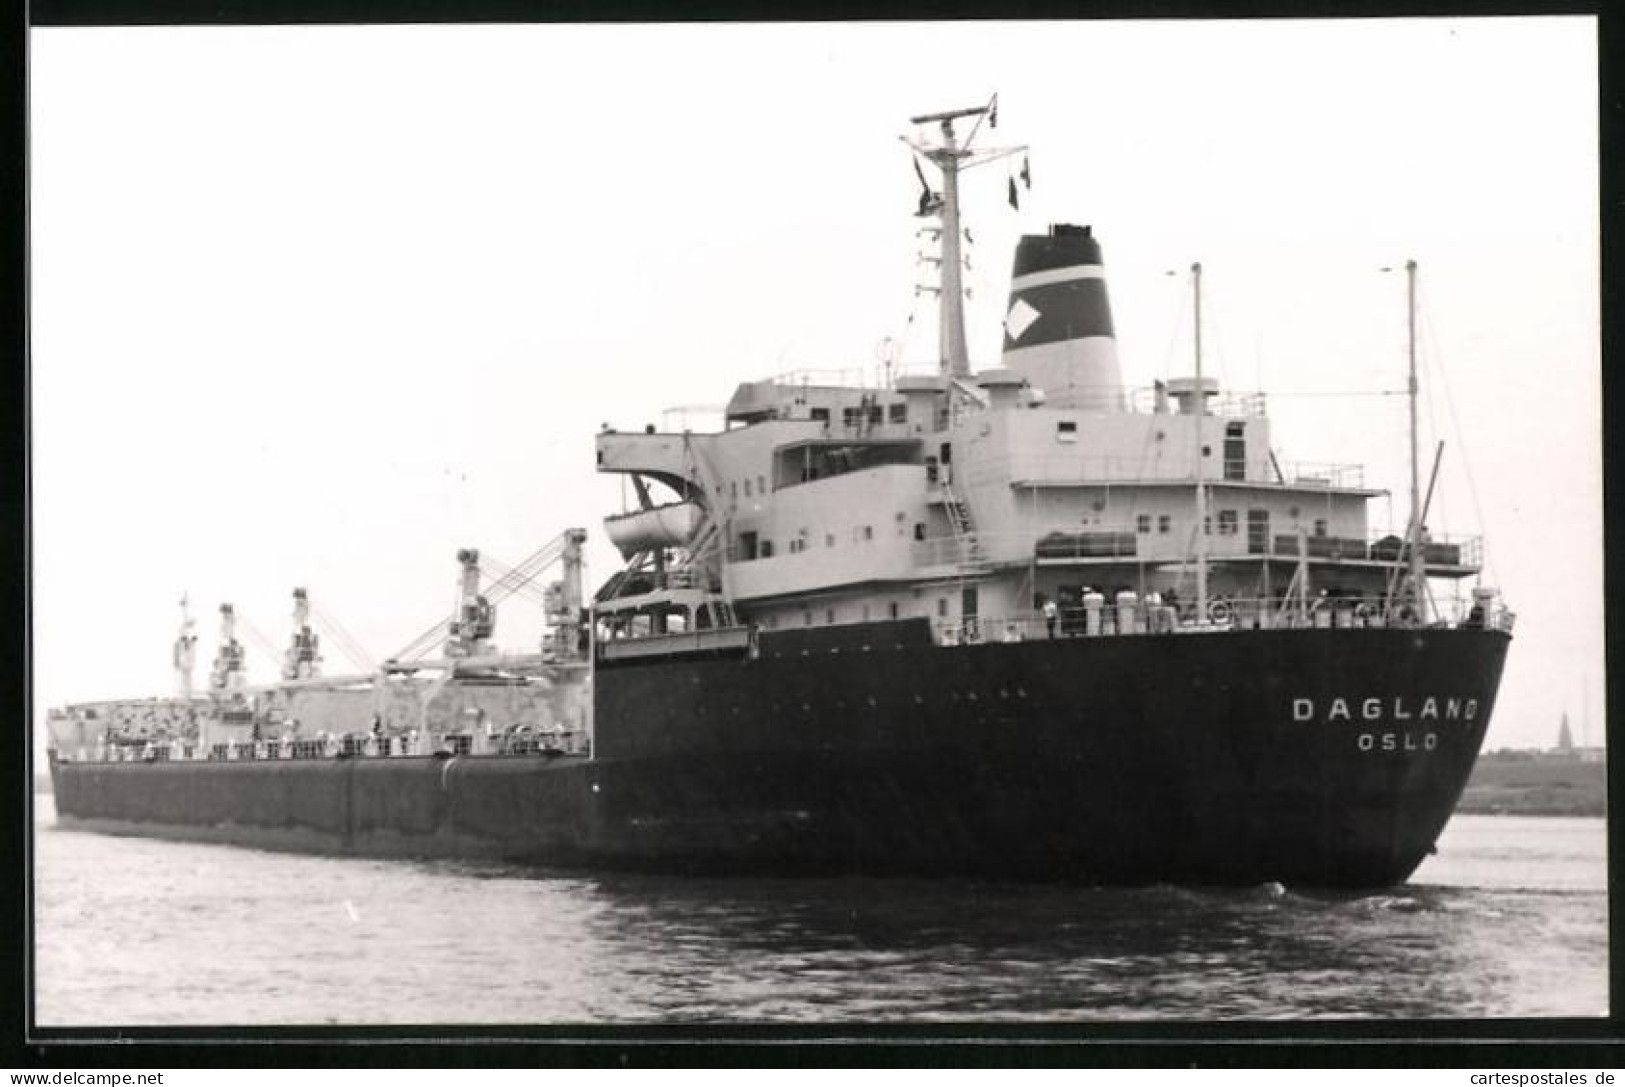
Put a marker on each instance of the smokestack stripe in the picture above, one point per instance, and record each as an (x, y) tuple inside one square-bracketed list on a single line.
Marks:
[(1057, 275)]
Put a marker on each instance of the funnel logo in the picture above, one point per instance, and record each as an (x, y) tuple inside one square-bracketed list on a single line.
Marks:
[(1020, 318)]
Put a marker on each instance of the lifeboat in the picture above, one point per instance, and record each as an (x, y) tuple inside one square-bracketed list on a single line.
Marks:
[(659, 526)]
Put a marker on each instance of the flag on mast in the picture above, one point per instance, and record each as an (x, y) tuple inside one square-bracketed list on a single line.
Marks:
[(930, 202)]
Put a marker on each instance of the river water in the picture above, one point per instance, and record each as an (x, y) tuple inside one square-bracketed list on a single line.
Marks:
[(1509, 919)]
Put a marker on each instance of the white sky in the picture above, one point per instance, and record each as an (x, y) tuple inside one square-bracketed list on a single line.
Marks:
[(320, 305)]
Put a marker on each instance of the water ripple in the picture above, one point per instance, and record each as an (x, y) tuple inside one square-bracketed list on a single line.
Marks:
[(1508, 920)]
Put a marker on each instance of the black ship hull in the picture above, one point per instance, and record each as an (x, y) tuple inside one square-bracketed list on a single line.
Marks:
[(1310, 757)]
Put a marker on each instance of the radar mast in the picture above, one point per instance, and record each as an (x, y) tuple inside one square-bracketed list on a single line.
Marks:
[(952, 157)]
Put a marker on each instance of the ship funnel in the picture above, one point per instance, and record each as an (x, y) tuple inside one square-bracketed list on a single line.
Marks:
[(1058, 326)]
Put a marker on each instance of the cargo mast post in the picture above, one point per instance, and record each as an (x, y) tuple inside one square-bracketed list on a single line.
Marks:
[(1418, 568), (185, 653), (1201, 451)]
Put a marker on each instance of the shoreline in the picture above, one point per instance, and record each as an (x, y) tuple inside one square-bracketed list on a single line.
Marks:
[(1497, 807), (1527, 784)]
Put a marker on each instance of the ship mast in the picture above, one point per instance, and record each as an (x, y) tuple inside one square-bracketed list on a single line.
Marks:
[(951, 318), (185, 655), (1419, 592), (1201, 429), (953, 158)]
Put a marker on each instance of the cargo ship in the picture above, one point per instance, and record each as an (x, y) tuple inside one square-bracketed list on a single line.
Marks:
[(1020, 621)]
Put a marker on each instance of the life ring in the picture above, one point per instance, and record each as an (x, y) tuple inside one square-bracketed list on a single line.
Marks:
[(1364, 611), (1219, 611)]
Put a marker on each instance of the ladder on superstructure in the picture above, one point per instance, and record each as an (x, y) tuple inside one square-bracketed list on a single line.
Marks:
[(967, 544)]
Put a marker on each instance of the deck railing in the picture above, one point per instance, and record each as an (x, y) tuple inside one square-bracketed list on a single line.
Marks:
[(1321, 474), (1251, 405), (716, 639), (551, 742), (1106, 545), (1224, 615)]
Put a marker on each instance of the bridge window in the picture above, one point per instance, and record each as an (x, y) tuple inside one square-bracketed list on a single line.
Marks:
[(897, 413), (747, 546), (1258, 531), (819, 415), (1066, 431), (1228, 522), (919, 530), (1165, 524), (747, 488), (767, 549), (819, 459), (1142, 524), (761, 484), (1320, 527), (829, 616), (893, 607), (1235, 451)]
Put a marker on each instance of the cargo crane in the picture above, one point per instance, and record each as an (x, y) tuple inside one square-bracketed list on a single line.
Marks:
[(474, 619), (465, 638), (303, 658), (228, 673)]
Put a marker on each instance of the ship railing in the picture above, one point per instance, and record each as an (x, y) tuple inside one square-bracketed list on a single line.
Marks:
[(1065, 468), (1139, 616), (539, 741), (1438, 549), (725, 639), (1325, 474), (846, 377), (1249, 405), (551, 741), (977, 548), (1124, 540)]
